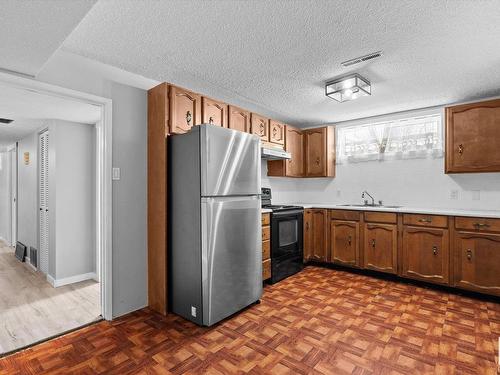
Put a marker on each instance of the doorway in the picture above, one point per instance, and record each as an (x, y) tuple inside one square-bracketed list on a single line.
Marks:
[(63, 288)]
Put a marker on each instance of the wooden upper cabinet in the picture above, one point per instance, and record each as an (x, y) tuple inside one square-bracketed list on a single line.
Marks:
[(344, 242), (185, 110), (320, 152), (381, 247), (476, 259), (213, 112), (426, 254), (239, 119), (276, 132), (473, 137), (260, 126), (294, 167)]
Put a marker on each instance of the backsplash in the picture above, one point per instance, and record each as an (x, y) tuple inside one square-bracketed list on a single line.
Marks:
[(413, 183)]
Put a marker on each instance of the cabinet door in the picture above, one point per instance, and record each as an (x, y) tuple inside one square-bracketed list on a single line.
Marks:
[(472, 137), (319, 220), (315, 149), (294, 144), (185, 110), (307, 234), (380, 248), (260, 126), (477, 257), (426, 254), (213, 112), (344, 242), (276, 132), (239, 119)]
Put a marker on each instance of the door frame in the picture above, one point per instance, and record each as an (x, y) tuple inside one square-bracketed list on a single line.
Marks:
[(13, 168), (104, 190)]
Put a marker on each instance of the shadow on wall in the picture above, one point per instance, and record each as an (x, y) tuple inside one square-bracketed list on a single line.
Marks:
[(477, 181)]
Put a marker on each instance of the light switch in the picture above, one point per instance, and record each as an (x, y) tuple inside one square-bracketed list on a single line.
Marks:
[(116, 173)]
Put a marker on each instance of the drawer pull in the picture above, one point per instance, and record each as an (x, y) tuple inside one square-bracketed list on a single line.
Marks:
[(373, 244), (434, 250), (481, 225), (460, 149), (317, 161), (469, 254), (307, 226), (211, 120), (349, 240), (425, 220), (189, 117)]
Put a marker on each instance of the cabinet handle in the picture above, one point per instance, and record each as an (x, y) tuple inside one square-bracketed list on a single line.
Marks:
[(211, 120), (349, 240), (317, 160), (425, 220), (434, 250), (373, 244), (275, 131), (460, 149), (307, 226), (481, 225), (469, 254), (189, 117)]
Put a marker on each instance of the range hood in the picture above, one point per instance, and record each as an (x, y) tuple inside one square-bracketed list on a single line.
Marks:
[(270, 153)]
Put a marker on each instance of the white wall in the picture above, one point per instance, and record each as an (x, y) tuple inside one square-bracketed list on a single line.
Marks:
[(130, 154), (4, 196), (71, 201), (27, 192)]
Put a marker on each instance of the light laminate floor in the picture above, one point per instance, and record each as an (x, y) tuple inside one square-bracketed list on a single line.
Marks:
[(32, 310)]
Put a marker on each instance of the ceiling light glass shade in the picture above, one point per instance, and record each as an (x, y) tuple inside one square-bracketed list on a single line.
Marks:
[(348, 88)]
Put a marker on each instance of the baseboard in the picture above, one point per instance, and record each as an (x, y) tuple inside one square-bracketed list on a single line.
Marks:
[(71, 280)]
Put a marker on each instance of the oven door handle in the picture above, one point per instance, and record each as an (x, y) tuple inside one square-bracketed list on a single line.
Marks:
[(287, 213)]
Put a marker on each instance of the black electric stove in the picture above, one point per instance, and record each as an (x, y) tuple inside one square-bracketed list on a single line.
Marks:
[(286, 238)]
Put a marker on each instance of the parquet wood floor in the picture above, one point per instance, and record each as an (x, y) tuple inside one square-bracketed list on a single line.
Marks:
[(321, 321)]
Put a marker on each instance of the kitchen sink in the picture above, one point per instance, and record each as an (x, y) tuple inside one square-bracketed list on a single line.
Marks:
[(368, 205)]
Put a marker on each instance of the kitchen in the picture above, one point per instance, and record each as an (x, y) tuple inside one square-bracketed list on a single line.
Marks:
[(320, 198)]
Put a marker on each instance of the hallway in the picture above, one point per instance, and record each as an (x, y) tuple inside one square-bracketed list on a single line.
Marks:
[(32, 310)]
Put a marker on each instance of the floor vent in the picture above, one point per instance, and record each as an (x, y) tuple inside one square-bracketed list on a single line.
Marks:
[(33, 257), (361, 59)]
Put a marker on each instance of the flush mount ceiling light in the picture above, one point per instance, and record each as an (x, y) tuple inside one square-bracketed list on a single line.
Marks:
[(348, 88)]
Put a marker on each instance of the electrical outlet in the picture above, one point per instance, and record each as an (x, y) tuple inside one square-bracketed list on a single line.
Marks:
[(454, 194), (193, 311), (476, 195)]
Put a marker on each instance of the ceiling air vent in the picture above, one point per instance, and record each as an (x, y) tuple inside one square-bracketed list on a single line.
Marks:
[(360, 59), (5, 121)]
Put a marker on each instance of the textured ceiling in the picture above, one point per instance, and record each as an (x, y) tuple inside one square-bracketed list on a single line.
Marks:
[(33, 30), (274, 56)]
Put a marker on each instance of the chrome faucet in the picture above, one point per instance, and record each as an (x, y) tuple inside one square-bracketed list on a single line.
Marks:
[(366, 200)]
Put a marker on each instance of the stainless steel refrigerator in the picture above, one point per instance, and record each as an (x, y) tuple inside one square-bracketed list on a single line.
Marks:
[(215, 240)]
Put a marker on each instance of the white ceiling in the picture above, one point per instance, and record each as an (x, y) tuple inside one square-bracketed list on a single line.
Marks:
[(20, 128), (274, 56), (33, 30), (29, 109)]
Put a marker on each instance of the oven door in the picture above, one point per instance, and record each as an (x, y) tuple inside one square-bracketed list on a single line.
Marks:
[(286, 234)]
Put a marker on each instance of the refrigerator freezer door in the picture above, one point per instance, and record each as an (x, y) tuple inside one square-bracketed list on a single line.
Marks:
[(230, 162), (231, 255)]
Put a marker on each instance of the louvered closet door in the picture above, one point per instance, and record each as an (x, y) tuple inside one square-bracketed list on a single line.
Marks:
[(43, 197)]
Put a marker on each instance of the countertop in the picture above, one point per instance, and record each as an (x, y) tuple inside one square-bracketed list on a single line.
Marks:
[(404, 209), (265, 210)]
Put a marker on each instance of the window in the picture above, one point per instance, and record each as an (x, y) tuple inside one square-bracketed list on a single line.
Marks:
[(408, 138)]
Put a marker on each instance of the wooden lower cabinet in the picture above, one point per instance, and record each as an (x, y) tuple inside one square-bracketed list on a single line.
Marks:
[(381, 247), (426, 254), (344, 242), (476, 259), (315, 234)]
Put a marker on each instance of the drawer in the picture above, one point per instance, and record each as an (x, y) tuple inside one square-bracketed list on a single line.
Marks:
[(266, 219), (477, 224), (426, 220), (266, 250), (266, 269), (266, 233), (381, 217), (344, 215)]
